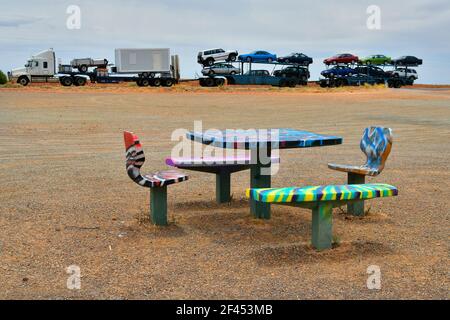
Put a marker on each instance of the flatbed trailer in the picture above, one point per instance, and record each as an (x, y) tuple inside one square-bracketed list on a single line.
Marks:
[(68, 79)]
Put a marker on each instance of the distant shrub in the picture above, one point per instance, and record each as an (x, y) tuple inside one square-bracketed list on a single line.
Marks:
[(3, 78)]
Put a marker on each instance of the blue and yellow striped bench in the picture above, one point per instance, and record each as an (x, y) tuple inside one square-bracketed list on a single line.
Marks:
[(322, 199)]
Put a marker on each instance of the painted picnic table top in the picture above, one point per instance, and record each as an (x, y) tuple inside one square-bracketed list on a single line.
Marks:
[(248, 139)]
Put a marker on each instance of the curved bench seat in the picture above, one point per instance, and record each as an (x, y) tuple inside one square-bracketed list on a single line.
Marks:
[(157, 182), (323, 193), (362, 170), (213, 161), (222, 167), (321, 200)]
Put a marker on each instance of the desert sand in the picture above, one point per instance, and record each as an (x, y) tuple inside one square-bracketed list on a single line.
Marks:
[(66, 198)]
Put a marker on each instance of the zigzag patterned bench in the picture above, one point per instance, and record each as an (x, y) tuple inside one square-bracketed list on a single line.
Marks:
[(157, 182), (222, 167), (322, 199)]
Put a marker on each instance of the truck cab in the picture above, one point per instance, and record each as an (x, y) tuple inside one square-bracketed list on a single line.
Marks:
[(41, 65)]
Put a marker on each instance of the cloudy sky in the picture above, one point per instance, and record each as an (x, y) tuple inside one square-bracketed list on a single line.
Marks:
[(317, 28)]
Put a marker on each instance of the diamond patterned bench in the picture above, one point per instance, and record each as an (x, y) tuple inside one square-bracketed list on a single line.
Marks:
[(376, 143)]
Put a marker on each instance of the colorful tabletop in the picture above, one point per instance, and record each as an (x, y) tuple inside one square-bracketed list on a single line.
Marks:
[(282, 138), (266, 139)]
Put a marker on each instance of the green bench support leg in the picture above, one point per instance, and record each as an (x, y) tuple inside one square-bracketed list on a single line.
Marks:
[(223, 186), (260, 210), (158, 205), (322, 226), (356, 208)]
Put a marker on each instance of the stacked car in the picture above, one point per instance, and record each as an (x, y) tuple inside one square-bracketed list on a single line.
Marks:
[(348, 69), (220, 65)]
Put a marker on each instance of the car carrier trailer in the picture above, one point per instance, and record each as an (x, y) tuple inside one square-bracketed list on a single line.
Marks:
[(254, 77), (359, 80)]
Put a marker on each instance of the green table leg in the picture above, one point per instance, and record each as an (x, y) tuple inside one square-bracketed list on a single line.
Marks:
[(322, 226), (158, 205), (260, 210), (356, 208), (223, 186)]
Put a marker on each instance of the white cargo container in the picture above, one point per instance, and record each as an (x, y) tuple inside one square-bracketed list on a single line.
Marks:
[(143, 61)]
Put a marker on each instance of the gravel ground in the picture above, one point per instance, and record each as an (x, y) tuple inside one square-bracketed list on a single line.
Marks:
[(66, 199)]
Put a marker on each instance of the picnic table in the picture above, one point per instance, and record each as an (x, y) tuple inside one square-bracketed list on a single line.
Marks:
[(261, 142)]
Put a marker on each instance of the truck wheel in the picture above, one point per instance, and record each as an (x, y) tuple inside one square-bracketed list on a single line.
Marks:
[(397, 84), (23, 81), (219, 82), (80, 81), (152, 75), (83, 68), (145, 82), (167, 83), (157, 82), (209, 82), (292, 83), (66, 81)]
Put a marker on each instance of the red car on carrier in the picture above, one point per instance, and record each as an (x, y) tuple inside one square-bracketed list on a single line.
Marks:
[(341, 58)]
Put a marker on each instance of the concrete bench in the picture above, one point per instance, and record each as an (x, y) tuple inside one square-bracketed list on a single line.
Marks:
[(376, 143), (321, 200), (222, 167), (157, 182)]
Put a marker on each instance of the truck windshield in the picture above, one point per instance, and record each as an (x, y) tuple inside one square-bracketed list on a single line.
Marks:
[(28, 64)]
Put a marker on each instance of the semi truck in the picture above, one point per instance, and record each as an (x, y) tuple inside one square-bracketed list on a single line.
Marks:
[(146, 67)]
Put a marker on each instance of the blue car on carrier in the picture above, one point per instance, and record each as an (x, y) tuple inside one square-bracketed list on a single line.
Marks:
[(338, 71), (258, 56)]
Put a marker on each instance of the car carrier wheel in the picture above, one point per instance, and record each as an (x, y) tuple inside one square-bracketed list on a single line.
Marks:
[(80, 81), (23, 81), (219, 82), (66, 81), (209, 82)]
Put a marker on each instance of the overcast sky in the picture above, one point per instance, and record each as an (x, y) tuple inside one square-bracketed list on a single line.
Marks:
[(318, 28)]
